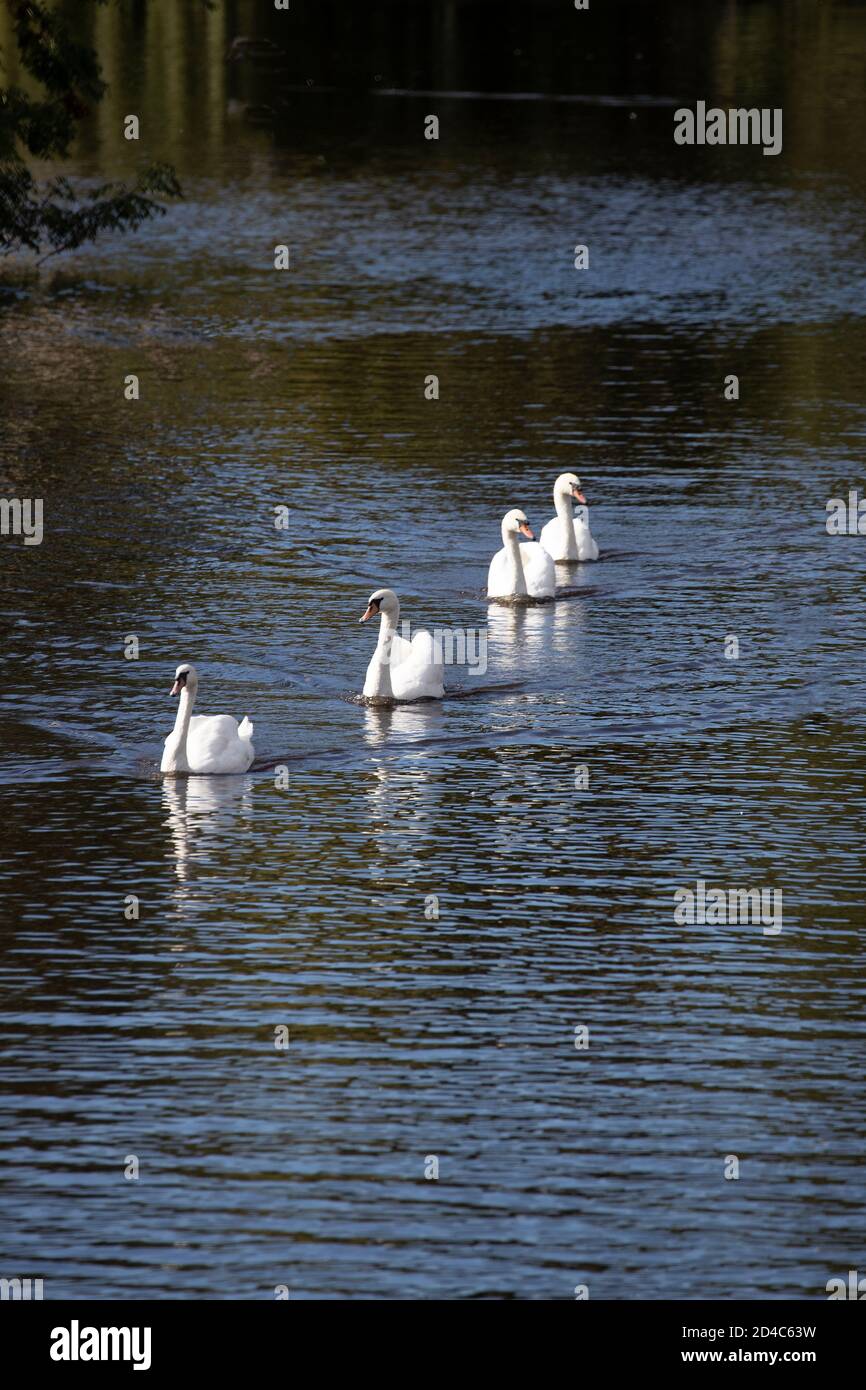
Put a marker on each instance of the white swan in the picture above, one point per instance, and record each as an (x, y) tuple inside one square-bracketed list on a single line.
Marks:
[(204, 742), (568, 537), (520, 571), (401, 670)]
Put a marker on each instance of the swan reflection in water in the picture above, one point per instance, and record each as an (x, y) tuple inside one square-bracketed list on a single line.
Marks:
[(197, 821), (410, 721), (400, 797), (518, 635), (569, 620), (522, 637)]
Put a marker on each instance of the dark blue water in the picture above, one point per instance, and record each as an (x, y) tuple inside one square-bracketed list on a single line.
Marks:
[(304, 906)]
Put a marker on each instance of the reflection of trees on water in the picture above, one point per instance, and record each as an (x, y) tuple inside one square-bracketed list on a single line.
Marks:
[(170, 63)]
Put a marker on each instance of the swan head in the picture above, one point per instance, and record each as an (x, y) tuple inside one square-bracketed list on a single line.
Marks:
[(515, 521), (383, 601), (185, 677), (568, 485)]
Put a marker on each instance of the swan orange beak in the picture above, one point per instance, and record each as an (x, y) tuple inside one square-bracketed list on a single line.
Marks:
[(576, 492), (526, 530), (370, 613), (178, 685)]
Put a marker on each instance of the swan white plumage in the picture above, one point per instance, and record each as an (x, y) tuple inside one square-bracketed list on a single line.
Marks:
[(401, 669), (568, 537), (520, 571), (204, 743)]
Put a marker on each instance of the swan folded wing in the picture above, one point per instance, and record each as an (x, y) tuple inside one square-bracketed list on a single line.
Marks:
[(538, 570), (425, 650), (587, 548), (401, 650), (417, 671), (214, 744), (554, 539)]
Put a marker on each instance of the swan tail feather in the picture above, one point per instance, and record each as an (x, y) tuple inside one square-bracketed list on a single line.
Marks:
[(245, 728)]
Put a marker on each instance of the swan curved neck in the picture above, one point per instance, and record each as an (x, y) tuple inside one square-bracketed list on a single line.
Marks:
[(516, 576), (378, 685), (181, 729), (565, 512)]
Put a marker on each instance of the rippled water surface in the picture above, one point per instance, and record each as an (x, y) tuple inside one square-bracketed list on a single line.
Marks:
[(304, 906)]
